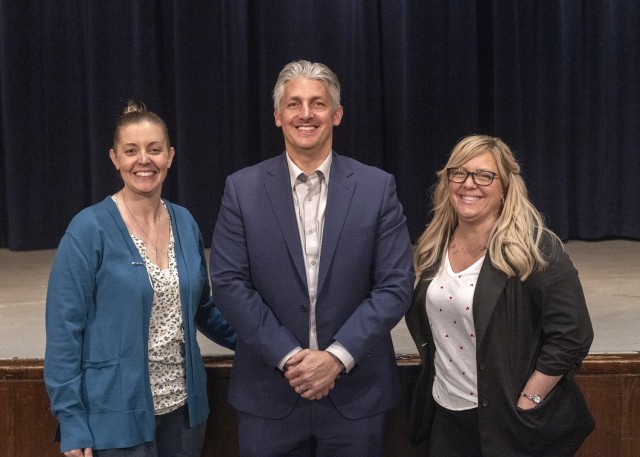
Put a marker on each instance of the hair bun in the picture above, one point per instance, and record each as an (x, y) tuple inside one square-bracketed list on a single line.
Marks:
[(134, 107)]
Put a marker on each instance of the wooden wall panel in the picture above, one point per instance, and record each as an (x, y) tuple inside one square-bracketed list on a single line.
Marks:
[(222, 435), (611, 384), (27, 427)]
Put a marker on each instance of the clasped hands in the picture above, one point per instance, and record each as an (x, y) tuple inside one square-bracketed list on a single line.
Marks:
[(312, 374)]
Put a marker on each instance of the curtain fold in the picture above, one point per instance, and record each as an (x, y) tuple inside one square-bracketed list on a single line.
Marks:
[(558, 81)]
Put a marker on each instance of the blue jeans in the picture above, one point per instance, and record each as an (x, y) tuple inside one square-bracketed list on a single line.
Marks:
[(174, 438)]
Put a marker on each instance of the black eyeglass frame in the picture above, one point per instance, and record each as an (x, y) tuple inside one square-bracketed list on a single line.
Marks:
[(473, 174)]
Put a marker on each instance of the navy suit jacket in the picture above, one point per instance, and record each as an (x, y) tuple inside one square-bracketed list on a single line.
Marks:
[(364, 286)]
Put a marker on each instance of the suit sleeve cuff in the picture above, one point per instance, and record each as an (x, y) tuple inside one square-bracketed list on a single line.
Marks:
[(287, 357), (343, 355)]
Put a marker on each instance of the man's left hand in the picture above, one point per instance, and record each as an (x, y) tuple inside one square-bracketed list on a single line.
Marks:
[(312, 373)]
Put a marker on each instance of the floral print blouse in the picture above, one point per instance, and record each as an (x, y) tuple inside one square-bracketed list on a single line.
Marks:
[(166, 333)]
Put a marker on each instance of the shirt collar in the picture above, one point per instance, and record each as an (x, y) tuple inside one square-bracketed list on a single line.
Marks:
[(294, 170)]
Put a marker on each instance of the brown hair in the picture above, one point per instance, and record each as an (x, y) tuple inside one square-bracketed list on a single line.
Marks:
[(135, 113)]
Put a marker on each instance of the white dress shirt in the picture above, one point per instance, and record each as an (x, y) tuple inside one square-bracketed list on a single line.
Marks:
[(309, 194)]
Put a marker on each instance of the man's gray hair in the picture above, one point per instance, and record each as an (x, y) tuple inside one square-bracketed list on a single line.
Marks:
[(305, 69)]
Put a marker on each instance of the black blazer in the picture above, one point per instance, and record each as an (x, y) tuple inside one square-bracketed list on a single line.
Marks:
[(541, 323)]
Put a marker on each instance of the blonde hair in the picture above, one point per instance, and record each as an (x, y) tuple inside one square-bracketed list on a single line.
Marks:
[(514, 245)]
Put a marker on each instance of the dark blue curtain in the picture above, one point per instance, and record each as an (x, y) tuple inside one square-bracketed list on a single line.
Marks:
[(558, 80)]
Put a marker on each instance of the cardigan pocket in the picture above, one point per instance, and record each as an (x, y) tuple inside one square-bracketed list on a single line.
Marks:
[(101, 385)]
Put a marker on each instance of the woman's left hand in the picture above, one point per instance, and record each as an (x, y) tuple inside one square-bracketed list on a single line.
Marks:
[(524, 403), (538, 384)]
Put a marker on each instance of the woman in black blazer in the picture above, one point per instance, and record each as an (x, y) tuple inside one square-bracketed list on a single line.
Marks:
[(498, 316)]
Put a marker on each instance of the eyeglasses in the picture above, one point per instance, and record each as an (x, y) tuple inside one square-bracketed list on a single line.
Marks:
[(480, 177)]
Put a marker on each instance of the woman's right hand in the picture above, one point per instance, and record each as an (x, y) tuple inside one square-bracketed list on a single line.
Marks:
[(88, 452)]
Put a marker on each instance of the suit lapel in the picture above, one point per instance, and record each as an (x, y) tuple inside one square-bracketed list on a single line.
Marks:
[(342, 184), (278, 186), (491, 283)]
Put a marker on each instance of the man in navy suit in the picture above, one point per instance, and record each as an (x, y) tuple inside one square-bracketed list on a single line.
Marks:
[(311, 263)]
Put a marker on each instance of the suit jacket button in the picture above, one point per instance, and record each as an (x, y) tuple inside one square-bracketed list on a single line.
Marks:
[(303, 309), (485, 403)]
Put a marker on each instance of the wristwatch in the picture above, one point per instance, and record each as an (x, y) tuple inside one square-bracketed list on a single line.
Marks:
[(537, 399)]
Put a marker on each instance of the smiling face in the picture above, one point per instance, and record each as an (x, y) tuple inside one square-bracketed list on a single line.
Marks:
[(143, 157), (307, 117), (477, 205)]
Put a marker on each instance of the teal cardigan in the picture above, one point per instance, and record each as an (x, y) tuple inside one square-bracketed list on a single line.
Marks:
[(98, 311)]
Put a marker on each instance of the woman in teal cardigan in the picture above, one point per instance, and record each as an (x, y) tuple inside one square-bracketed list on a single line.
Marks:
[(127, 290)]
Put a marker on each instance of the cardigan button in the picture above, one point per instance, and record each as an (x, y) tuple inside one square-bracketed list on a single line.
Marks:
[(485, 403), (482, 366)]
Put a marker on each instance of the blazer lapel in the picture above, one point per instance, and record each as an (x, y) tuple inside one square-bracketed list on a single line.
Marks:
[(417, 321), (491, 283), (278, 187), (342, 184)]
